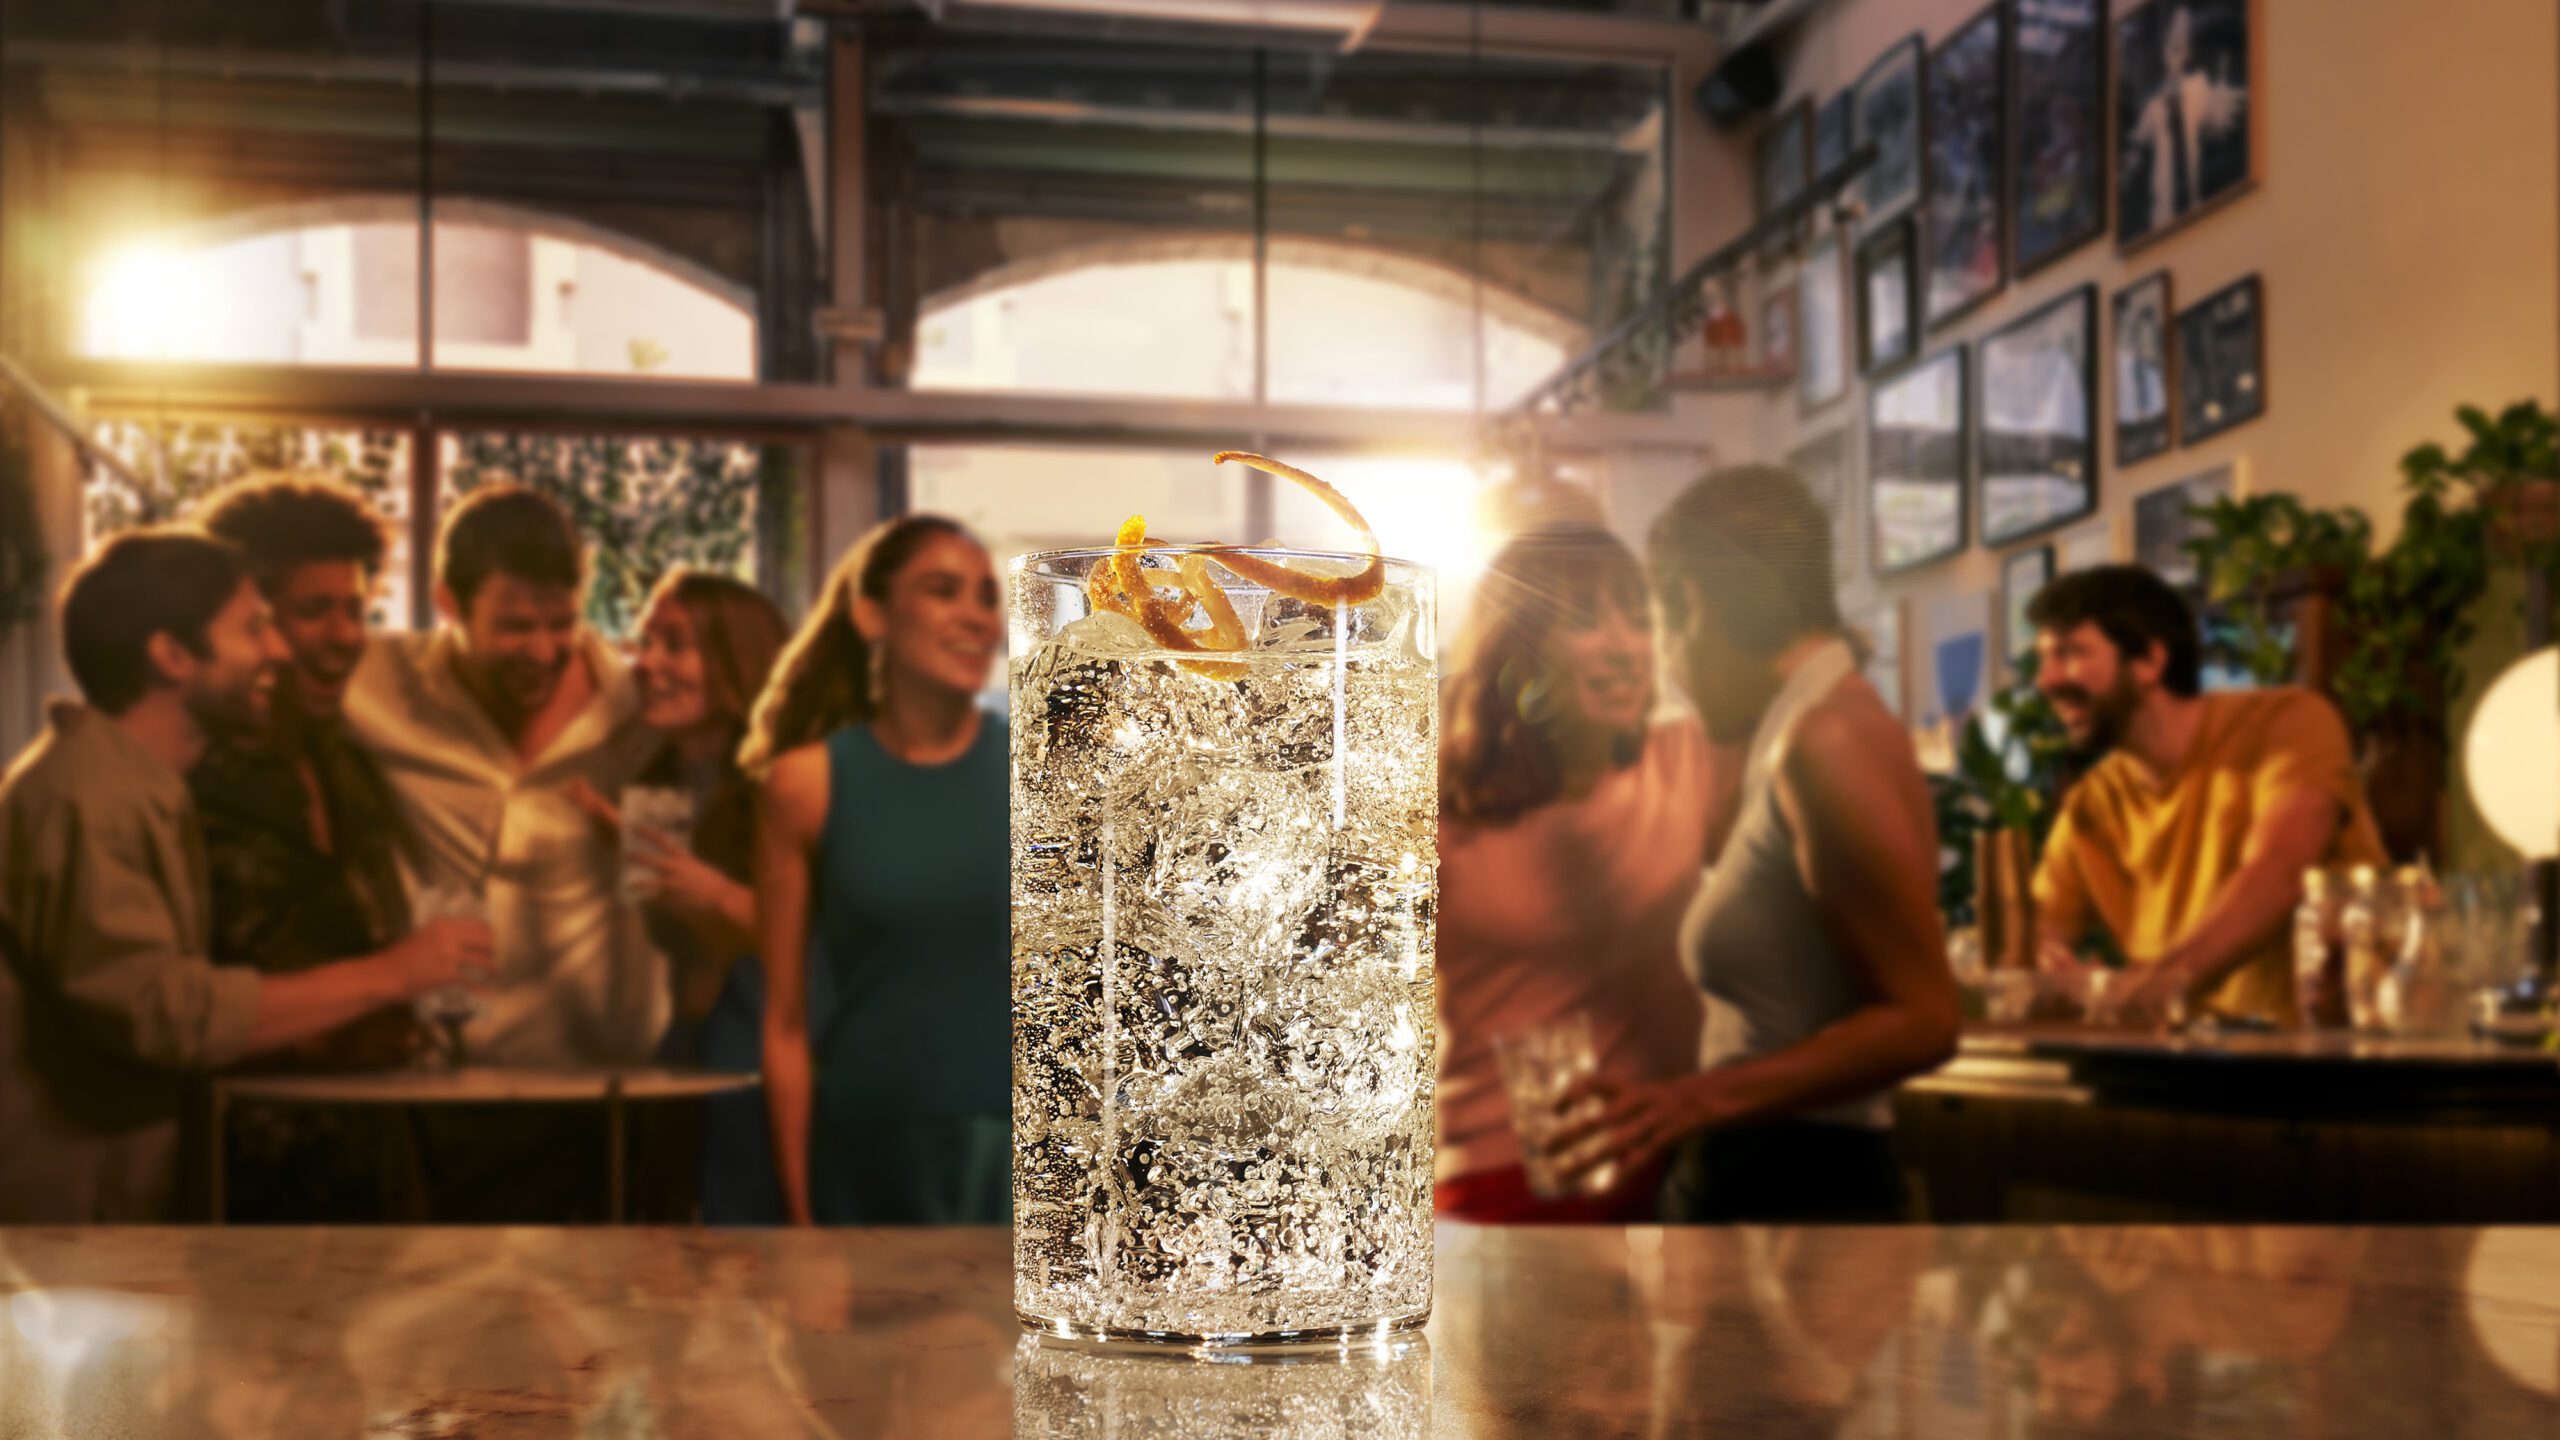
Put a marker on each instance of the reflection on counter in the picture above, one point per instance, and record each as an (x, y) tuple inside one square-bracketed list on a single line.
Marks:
[(1066, 1391), (1554, 1333)]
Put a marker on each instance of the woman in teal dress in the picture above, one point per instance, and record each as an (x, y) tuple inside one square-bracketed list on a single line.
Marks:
[(881, 847)]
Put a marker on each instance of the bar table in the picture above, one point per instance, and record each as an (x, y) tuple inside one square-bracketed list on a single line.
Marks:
[(615, 1090)]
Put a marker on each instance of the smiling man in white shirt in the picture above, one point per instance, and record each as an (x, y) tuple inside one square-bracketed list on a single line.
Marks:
[(482, 728)]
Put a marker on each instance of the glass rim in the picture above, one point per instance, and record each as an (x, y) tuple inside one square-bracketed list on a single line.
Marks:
[(1212, 550)]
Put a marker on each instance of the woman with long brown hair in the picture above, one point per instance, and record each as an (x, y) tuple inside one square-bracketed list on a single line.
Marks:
[(881, 858), (1815, 935), (1572, 822), (706, 644)]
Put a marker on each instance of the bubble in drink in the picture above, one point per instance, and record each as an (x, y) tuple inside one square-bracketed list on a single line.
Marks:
[(1224, 1040)]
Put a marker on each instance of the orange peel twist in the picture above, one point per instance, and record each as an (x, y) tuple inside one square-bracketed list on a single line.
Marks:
[(1357, 588), (1120, 584)]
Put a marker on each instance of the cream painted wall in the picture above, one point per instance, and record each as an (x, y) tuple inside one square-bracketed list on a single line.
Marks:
[(2406, 223)]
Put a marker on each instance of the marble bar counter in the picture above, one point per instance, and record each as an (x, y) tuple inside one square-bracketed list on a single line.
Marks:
[(1580, 1333), (2054, 1122)]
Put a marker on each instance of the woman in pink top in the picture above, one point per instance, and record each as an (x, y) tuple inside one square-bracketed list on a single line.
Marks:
[(1572, 830)]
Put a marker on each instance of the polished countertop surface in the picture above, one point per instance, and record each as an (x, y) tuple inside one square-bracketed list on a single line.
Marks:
[(1574, 1333), (2065, 1041)]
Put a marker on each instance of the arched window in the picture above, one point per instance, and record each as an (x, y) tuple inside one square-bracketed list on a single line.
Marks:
[(1350, 325), (336, 283)]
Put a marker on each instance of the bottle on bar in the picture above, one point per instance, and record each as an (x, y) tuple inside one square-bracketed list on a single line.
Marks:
[(2319, 954), (2418, 995), (2367, 922)]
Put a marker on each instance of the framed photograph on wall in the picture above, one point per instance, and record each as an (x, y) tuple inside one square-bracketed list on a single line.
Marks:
[(2140, 368), (2057, 128), (1778, 330), (1834, 122), (1822, 322), (2186, 101), (1966, 115), (2021, 576), (1786, 148), (1888, 297), (1888, 117), (2165, 523), (2222, 347), (1916, 463), (2036, 430)]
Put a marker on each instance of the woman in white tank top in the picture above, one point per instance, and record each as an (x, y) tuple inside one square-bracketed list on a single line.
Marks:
[(1815, 934)]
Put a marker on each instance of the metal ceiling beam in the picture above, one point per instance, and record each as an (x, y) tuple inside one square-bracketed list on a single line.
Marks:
[(1333, 128), (1454, 27), (338, 69)]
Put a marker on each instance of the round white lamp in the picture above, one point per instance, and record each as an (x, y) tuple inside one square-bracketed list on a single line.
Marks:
[(2512, 755)]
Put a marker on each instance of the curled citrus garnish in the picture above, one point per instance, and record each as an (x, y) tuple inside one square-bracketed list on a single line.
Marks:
[(1122, 585), (1356, 588)]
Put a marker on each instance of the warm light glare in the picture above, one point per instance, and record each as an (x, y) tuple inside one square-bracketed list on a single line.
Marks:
[(147, 304), (2512, 755), (2510, 1306), (1423, 510)]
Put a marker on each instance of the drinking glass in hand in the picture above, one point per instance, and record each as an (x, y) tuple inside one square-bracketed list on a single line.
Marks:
[(1538, 1067), (447, 1009), (654, 819)]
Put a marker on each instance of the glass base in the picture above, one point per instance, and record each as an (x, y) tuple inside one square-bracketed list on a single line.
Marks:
[(1241, 1345)]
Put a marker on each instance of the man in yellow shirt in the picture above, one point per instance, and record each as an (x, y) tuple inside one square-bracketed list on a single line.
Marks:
[(2188, 840)]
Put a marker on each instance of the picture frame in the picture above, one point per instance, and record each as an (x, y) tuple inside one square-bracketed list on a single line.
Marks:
[(1835, 124), (1888, 296), (2036, 419), (1778, 330), (2057, 129), (1916, 463), (2021, 576), (1786, 154), (2142, 369), (1822, 328), (1965, 243), (2222, 355), (1889, 118), (2164, 524), (2186, 129)]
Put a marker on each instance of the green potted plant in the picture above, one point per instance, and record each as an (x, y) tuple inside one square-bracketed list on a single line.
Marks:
[(2511, 467), (2009, 778), (2380, 629)]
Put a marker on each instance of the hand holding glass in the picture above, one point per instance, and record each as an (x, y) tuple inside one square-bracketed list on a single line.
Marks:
[(1538, 1068)]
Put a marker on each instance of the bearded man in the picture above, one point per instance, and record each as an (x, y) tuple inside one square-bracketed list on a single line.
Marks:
[(2187, 840)]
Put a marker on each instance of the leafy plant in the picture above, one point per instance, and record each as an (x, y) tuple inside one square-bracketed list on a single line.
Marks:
[(2014, 760), (644, 505), (2008, 776), (2405, 610), (1962, 817), (2251, 546), (175, 463)]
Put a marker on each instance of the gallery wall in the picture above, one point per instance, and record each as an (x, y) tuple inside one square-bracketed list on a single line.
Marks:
[(2404, 223)]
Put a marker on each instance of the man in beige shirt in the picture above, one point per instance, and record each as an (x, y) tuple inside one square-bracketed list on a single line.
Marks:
[(485, 730), (107, 997)]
